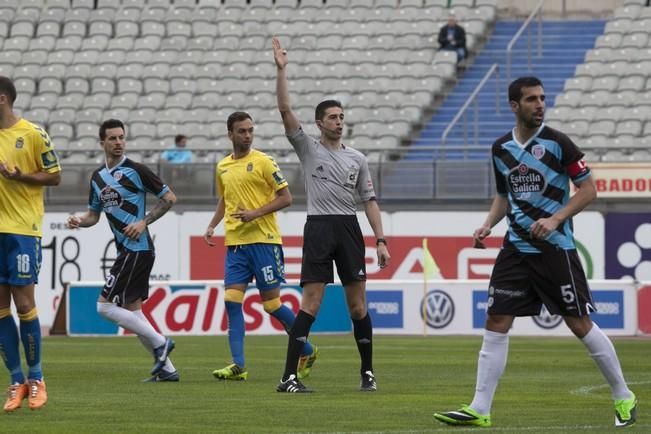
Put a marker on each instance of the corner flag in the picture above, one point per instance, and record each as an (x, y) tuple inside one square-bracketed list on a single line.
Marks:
[(429, 264)]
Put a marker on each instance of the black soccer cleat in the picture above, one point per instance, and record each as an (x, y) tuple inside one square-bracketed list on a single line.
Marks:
[(292, 385), (368, 383)]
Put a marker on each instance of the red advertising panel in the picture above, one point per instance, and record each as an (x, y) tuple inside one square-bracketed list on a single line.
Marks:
[(622, 180), (644, 309), (454, 256)]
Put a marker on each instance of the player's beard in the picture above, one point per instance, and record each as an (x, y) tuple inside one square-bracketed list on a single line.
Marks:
[(533, 121), (242, 148)]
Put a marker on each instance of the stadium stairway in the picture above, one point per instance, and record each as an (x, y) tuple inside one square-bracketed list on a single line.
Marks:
[(564, 44), (443, 173)]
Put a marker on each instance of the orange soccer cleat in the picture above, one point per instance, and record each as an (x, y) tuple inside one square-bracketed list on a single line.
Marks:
[(15, 395), (37, 394)]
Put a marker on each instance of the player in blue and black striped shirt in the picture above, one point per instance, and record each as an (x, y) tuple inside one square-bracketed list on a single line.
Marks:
[(538, 263), (118, 188)]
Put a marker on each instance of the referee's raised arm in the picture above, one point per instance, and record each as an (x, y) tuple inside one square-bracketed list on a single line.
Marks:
[(282, 93)]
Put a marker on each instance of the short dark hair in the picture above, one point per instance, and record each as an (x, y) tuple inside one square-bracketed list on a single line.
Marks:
[(108, 124), (515, 88), (321, 108), (237, 117), (7, 88), (179, 137)]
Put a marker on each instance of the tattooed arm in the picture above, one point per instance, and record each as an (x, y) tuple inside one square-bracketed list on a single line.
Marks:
[(134, 230), (163, 205)]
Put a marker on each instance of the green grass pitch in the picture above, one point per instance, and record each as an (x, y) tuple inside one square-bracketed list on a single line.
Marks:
[(550, 386)]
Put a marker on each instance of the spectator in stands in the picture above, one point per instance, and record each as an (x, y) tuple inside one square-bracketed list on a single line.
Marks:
[(118, 188), (336, 176), (178, 154), (251, 189), (27, 163), (538, 263), (452, 37)]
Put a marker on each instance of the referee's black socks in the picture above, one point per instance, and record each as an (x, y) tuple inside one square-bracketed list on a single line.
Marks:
[(297, 337), (363, 330)]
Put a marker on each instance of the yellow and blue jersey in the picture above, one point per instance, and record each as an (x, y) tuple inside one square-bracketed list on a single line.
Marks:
[(120, 192), (249, 183), (26, 146)]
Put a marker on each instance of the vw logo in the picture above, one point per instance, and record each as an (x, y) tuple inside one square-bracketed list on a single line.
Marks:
[(437, 309), (546, 320)]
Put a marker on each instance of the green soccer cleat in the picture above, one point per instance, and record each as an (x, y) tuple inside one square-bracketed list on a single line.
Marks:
[(464, 416), (231, 372), (625, 412), (305, 364)]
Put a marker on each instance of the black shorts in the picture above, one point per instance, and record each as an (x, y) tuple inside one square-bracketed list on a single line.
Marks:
[(128, 280), (328, 238), (521, 283)]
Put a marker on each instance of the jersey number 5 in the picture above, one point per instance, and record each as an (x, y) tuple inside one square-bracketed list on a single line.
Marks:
[(568, 294)]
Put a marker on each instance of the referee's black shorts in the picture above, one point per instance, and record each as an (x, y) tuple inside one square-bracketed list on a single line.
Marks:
[(128, 280), (337, 238)]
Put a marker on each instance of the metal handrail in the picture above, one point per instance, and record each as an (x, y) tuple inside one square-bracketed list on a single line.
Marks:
[(473, 98), (509, 48)]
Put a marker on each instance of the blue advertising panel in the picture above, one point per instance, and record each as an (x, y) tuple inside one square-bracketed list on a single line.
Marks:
[(609, 315), (610, 309), (83, 318), (197, 308), (479, 303), (333, 315), (386, 308)]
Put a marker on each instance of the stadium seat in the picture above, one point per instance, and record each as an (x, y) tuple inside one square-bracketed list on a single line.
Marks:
[(48, 29), (585, 113), (629, 127), (61, 130), (125, 100), (147, 115), (152, 28), (117, 113), (97, 100), (24, 84), (91, 115), (90, 57), (153, 100), (95, 43), (38, 116), (72, 101), (6, 70), (34, 57), (86, 129), (582, 84), (593, 98), (633, 83), (76, 85), (102, 85), (152, 85)]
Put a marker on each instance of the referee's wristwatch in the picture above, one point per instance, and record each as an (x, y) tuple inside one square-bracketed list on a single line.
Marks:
[(381, 240)]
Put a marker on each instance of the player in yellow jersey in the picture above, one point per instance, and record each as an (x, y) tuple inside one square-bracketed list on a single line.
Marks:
[(27, 163), (251, 189)]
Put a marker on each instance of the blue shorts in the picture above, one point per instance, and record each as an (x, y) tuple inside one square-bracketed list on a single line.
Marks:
[(20, 259), (264, 261)]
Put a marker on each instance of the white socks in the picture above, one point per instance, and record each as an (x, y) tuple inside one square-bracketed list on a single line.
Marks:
[(493, 355), (490, 367), (603, 353), (131, 321), (169, 367)]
